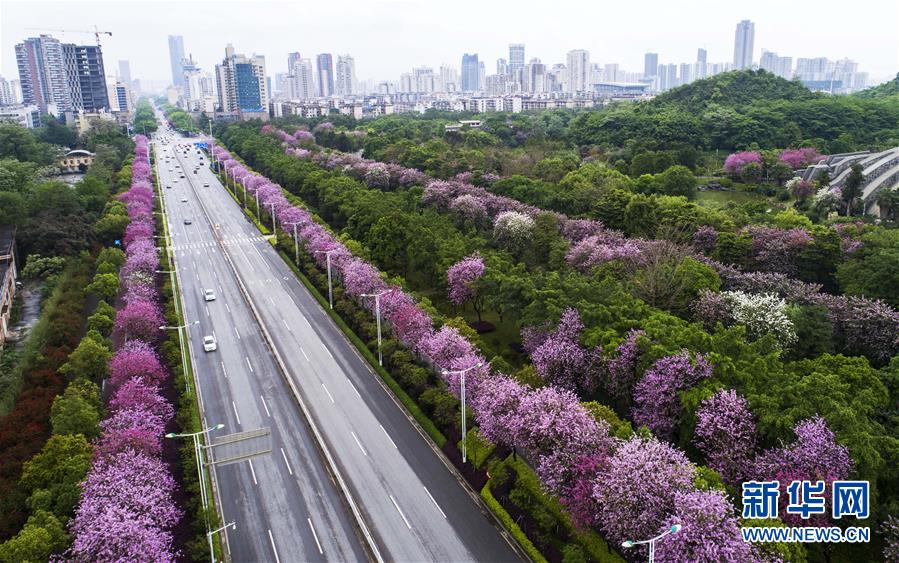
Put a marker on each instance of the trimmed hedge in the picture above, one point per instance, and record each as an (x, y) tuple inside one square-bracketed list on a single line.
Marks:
[(510, 525)]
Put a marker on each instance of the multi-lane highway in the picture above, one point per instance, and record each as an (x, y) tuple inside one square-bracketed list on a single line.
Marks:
[(284, 504), (408, 497)]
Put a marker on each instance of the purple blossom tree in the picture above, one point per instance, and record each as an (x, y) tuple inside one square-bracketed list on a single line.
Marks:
[(460, 278), (735, 163), (656, 400), (135, 393), (639, 487), (621, 371), (710, 531), (725, 433), (135, 360), (814, 455), (138, 320)]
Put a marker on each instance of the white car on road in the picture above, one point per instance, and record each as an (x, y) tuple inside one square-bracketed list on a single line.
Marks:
[(209, 295), (209, 344)]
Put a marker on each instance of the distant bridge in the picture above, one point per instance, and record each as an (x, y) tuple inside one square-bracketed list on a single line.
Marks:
[(881, 171)]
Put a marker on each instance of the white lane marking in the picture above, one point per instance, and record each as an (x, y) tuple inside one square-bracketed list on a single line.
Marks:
[(249, 365), (408, 525), (435, 502), (328, 392), (224, 370), (353, 386), (213, 336), (287, 325), (207, 310), (328, 351), (388, 437), (358, 443), (304, 354), (265, 406), (275, 549), (253, 472), (237, 333), (214, 273), (314, 535), (292, 301), (272, 301), (227, 307), (284, 455), (198, 276), (235, 412)]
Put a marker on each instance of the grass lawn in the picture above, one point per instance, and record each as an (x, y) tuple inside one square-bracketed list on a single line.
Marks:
[(716, 199), (498, 341)]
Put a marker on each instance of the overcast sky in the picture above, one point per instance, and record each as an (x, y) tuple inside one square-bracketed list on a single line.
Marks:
[(388, 37)]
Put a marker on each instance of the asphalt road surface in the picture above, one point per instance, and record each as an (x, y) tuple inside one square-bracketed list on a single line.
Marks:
[(409, 497)]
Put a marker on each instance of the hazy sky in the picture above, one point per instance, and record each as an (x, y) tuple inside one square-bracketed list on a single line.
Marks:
[(388, 37)]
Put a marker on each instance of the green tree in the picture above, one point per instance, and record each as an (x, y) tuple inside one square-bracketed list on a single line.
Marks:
[(42, 537), (88, 360), (57, 470), (103, 319), (678, 181), (852, 186), (76, 411), (873, 269), (105, 286)]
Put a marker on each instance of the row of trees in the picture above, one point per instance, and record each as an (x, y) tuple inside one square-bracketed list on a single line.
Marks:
[(613, 306), (127, 509)]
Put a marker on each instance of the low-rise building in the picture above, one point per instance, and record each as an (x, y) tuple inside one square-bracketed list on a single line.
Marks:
[(7, 278), (77, 160), (28, 116)]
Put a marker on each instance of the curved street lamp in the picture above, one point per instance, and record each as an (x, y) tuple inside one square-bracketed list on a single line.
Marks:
[(652, 541)]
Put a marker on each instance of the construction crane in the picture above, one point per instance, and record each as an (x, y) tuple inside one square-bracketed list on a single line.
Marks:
[(96, 32)]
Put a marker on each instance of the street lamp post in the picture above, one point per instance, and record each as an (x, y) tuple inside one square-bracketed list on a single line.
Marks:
[(652, 541), (209, 535), (377, 297), (203, 494), (296, 243), (462, 373), (257, 202), (274, 225), (327, 254), (181, 340)]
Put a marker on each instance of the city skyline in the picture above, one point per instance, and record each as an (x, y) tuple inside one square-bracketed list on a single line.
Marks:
[(147, 45)]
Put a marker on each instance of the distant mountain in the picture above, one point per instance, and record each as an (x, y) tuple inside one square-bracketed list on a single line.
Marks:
[(890, 88), (735, 89)]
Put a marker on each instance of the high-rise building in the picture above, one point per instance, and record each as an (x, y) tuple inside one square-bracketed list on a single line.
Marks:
[(482, 74), (781, 66), (535, 76), (502, 67), (702, 64), (650, 64), (345, 76), (122, 96), (87, 77), (470, 73), (516, 56), (449, 79), (125, 72), (292, 60), (744, 44), (610, 72), (42, 73), (301, 81), (6, 95), (176, 55), (422, 80), (578, 70), (241, 81), (325, 71)]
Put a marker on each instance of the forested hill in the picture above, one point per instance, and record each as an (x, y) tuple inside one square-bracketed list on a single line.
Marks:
[(733, 89), (884, 90)]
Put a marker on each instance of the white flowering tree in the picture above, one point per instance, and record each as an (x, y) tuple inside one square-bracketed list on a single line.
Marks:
[(762, 314)]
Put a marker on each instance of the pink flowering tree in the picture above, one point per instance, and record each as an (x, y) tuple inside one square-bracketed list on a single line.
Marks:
[(135, 360), (710, 531), (561, 360), (621, 370), (461, 278), (726, 434), (496, 406), (138, 320), (444, 345), (737, 162), (800, 158), (471, 211), (134, 428), (135, 393), (656, 397), (815, 455), (638, 489), (126, 511)]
